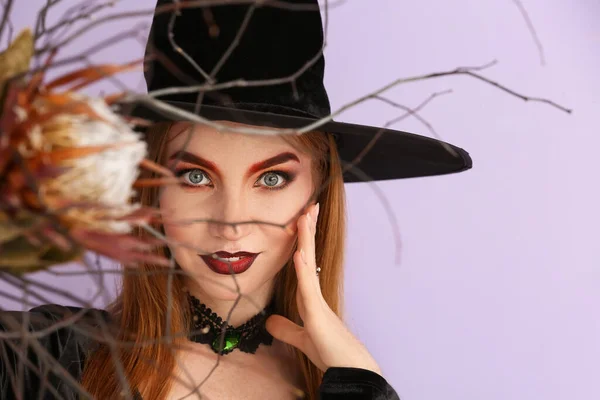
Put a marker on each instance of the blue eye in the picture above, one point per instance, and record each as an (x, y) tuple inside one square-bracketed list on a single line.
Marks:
[(274, 180), (194, 177)]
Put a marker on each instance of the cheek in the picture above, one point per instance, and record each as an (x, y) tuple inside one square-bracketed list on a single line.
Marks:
[(178, 205), (175, 208), (282, 206)]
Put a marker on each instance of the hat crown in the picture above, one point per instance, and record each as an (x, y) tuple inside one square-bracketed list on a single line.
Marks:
[(276, 43)]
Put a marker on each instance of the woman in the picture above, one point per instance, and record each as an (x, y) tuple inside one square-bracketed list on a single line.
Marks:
[(255, 226)]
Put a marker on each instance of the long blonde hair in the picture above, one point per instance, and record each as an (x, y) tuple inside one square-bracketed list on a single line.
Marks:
[(140, 309)]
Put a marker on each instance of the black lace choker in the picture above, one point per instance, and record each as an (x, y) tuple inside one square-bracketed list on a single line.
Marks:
[(207, 328)]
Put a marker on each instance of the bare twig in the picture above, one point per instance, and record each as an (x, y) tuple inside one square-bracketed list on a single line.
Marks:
[(24, 286), (177, 113), (85, 14), (532, 30), (172, 7), (221, 341), (112, 345), (234, 43), (9, 23), (178, 49), (67, 21), (6, 360), (6, 16), (44, 356), (16, 299), (83, 57), (356, 171), (412, 112), (15, 282), (44, 384), (41, 19), (469, 71), (24, 346)]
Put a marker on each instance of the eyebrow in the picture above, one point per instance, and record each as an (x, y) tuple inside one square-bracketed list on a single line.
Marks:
[(271, 162), (259, 166), (194, 159)]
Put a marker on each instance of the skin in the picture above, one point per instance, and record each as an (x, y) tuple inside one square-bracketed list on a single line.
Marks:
[(229, 191)]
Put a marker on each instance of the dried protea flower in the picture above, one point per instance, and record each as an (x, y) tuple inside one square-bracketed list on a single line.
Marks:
[(68, 163), (98, 157)]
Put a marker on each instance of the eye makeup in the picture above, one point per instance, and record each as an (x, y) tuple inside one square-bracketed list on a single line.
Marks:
[(182, 170), (288, 177), (180, 173)]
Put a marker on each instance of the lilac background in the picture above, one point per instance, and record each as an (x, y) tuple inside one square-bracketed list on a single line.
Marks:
[(496, 294)]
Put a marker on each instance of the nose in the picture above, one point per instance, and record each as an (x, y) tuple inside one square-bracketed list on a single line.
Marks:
[(230, 220)]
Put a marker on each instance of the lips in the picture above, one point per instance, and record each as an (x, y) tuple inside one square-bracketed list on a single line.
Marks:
[(226, 263)]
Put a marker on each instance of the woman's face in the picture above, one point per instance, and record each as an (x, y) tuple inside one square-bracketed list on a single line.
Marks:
[(230, 178)]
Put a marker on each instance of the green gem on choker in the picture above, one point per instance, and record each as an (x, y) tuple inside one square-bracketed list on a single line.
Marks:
[(230, 342), (206, 327)]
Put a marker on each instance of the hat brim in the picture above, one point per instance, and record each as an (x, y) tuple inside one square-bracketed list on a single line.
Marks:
[(393, 155)]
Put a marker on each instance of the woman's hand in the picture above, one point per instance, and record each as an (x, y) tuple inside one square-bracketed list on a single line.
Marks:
[(324, 338)]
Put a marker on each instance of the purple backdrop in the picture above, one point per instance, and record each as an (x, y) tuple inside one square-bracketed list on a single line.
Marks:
[(496, 292)]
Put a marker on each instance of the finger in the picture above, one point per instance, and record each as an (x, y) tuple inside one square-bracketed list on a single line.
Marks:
[(304, 261), (306, 234), (286, 331), (318, 267), (312, 248), (307, 287)]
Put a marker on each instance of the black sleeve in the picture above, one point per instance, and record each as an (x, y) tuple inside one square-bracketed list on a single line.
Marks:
[(355, 384), (32, 364)]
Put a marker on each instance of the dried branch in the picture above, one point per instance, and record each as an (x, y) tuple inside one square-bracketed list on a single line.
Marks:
[(114, 350), (24, 347), (532, 30), (7, 365), (16, 283), (83, 57), (221, 341), (24, 284), (85, 14), (178, 48), (16, 299), (44, 356), (234, 43), (409, 112), (351, 166), (41, 19), (24, 360), (9, 23), (180, 114), (173, 7), (95, 271), (6, 16)]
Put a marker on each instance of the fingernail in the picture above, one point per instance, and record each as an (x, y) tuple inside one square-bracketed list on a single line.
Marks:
[(302, 255)]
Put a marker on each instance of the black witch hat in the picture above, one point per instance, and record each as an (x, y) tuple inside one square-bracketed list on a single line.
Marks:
[(275, 48)]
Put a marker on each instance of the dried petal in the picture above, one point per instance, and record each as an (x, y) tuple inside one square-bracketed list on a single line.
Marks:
[(20, 256), (89, 75), (123, 248), (16, 58)]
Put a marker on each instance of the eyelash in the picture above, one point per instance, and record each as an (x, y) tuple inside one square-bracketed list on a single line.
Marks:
[(287, 177)]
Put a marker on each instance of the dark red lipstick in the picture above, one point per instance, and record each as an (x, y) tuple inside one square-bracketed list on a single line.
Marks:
[(226, 263)]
